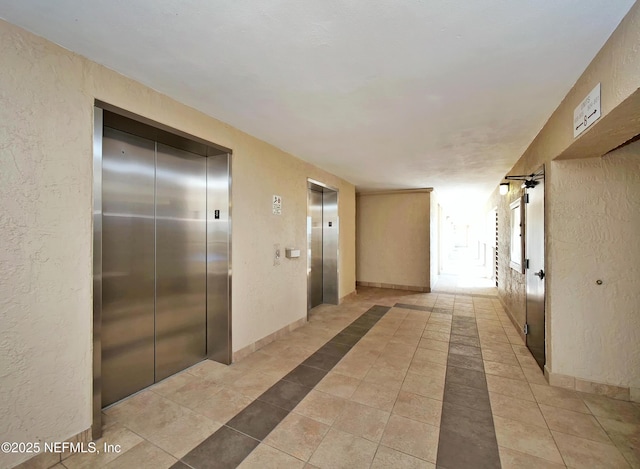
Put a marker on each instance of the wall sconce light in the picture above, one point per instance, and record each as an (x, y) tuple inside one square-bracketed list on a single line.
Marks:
[(504, 188)]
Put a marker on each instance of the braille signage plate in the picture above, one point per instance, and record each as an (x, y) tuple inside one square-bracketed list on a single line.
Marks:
[(277, 205), (587, 112)]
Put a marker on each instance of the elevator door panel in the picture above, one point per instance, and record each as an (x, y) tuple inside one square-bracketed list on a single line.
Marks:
[(330, 247), (315, 248), (181, 195), (128, 265)]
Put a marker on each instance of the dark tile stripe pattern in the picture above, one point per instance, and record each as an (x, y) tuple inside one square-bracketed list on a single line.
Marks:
[(233, 442), (467, 433)]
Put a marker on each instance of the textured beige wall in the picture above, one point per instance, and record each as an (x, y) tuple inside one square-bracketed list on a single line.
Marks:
[(393, 238), (596, 235), (511, 283), (617, 68), (46, 119)]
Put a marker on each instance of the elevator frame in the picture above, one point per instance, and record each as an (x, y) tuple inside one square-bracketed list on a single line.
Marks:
[(318, 186), (181, 140)]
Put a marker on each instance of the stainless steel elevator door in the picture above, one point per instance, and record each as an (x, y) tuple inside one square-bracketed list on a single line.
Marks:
[(330, 247), (315, 279), (128, 278), (181, 251)]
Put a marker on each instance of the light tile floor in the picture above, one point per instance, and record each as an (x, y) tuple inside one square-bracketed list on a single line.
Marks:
[(381, 405)]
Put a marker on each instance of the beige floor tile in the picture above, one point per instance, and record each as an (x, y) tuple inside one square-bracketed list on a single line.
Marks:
[(266, 457), (579, 452), (392, 361), (399, 349), (574, 423), (411, 328), (387, 458), (437, 327), (558, 397), (511, 459), (426, 368), (432, 356), (143, 456), (510, 387), (441, 336), (529, 439), (534, 375), (428, 386), (405, 340), (113, 435), (362, 421), (386, 376), (218, 373), (493, 337), (419, 408), (280, 366), (412, 437), (222, 407), (516, 409), (497, 347), (521, 350), (506, 371), (626, 437), (126, 410), (442, 319), (354, 367), (255, 360), (321, 406), (375, 395), (192, 392), (277, 348), (515, 339), (253, 384), (607, 407), (161, 425), (434, 345), (297, 435), (500, 357), (341, 450), (528, 361), (338, 385), (173, 383)]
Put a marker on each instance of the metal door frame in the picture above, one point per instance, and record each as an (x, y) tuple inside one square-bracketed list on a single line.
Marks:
[(313, 184), (170, 136)]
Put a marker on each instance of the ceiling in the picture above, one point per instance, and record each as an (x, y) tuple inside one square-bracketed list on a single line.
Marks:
[(386, 94)]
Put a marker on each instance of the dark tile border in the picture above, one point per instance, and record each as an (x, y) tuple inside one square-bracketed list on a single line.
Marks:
[(233, 442), (415, 307), (467, 433)]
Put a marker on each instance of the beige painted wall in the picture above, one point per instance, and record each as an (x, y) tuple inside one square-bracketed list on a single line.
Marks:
[(46, 118), (511, 283), (617, 68), (596, 236), (392, 231)]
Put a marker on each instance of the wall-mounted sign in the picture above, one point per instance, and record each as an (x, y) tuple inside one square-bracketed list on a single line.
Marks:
[(587, 112), (277, 205)]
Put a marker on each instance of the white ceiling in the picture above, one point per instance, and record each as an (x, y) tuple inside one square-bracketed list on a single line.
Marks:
[(387, 94)]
